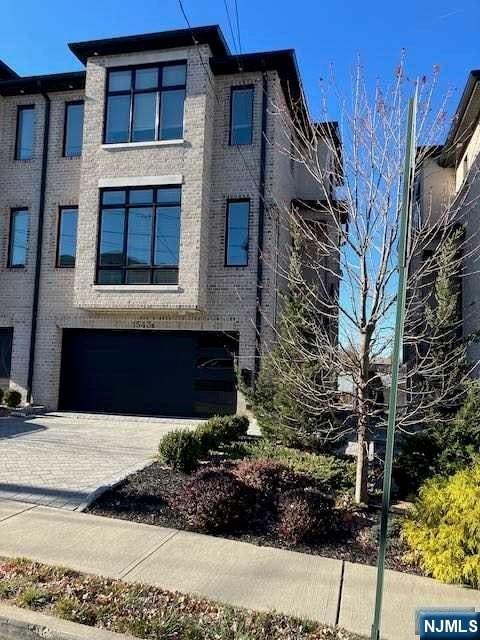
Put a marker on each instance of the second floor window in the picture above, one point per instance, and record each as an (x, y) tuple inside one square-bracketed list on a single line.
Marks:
[(139, 239), (241, 115), (18, 241), (25, 132), (72, 141), (145, 104), (67, 237), (236, 235)]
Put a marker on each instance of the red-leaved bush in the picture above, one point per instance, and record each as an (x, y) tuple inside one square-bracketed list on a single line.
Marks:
[(265, 476), (303, 515), (213, 500)]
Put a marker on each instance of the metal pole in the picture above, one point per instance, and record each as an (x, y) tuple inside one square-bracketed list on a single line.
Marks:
[(396, 356)]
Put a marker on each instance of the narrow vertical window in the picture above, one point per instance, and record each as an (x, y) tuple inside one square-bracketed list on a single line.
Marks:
[(17, 246), (241, 115), (236, 240), (25, 132), (67, 237), (72, 141)]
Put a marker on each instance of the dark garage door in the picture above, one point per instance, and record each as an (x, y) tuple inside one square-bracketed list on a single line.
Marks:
[(163, 373)]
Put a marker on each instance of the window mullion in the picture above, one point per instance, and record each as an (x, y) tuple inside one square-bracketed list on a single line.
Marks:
[(125, 243)]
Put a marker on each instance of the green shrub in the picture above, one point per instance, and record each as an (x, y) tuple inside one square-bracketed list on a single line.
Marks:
[(443, 530), (13, 398), (442, 448), (214, 500), (221, 430), (335, 474), (180, 449)]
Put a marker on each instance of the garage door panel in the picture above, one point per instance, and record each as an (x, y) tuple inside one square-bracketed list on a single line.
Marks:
[(148, 372)]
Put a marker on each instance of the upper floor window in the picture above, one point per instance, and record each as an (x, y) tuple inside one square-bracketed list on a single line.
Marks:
[(145, 103), (236, 236), (241, 115), (67, 237), (18, 241), (25, 132), (73, 130), (139, 236)]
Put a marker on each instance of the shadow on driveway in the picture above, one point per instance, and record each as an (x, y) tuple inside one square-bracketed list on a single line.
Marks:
[(16, 427), (30, 493)]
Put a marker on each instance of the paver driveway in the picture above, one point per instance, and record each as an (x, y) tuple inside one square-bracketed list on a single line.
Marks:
[(61, 459)]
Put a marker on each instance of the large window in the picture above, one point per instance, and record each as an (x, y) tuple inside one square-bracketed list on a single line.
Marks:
[(73, 133), (241, 115), (17, 245), (145, 103), (139, 236), (25, 132), (67, 237), (236, 236)]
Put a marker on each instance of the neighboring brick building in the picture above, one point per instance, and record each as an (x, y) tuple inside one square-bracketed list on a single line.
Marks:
[(450, 177), (174, 185)]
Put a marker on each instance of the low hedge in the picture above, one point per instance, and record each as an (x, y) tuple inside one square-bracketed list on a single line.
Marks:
[(443, 530), (181, 449), (331, 472), (13, 398)]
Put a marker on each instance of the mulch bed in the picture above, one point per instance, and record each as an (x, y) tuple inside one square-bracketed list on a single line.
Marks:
[(144, 497)]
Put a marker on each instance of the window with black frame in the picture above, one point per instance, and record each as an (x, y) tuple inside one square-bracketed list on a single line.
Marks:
[(236, 233), (18, 240), (241, 115), (139, 236), (145, 103), (67, 237), (73, 129), (25, 138)]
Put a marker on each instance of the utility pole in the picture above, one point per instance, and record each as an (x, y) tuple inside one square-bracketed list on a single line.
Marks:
[(405, 215)]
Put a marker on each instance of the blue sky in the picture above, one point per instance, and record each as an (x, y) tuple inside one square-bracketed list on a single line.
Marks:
[(33, 33)]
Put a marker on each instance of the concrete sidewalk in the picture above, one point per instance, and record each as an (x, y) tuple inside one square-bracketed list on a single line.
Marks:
[(262, 578)]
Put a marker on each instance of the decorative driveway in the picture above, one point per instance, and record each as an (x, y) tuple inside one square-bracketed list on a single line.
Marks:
[(61, 459)]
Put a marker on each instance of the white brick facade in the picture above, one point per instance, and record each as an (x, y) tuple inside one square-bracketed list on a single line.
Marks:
[(209, 295)]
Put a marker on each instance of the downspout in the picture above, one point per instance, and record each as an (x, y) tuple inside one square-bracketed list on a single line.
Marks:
[(261, 224), (38, 256)]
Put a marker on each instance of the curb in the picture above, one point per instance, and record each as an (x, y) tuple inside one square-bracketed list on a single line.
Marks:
[(111, 483), (23, 624)]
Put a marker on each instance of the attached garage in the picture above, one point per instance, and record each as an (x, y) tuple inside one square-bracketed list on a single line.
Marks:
[(161, 373)]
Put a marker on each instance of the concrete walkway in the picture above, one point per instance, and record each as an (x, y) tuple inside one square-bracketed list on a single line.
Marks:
[(330, 591)]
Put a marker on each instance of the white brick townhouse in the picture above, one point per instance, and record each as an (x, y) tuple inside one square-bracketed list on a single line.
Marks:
[(137, 231)]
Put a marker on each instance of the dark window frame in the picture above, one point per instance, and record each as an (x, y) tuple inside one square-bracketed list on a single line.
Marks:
[(13, 211), (227, 214), (158, 90), (61, 209), (241, 87), (20, 109), (124, 268), (69, 103)]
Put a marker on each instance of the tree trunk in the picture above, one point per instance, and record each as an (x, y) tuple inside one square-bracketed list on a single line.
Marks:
[(361, 494)]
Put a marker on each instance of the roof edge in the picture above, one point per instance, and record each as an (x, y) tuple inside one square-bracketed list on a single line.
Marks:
[(206, 34)]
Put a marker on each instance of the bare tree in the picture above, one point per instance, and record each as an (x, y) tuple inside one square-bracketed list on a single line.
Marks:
[(344, 329)]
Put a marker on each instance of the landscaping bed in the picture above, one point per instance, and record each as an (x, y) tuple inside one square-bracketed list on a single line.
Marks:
[(151, 496), (142, 611)]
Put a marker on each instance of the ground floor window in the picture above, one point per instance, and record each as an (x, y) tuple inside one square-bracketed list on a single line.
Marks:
[(139, 239)]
